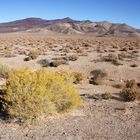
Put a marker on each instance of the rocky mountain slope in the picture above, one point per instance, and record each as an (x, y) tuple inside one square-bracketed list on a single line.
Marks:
[(69, 26)]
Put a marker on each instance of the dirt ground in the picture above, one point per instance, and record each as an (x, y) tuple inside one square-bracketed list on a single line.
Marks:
[(96, 118)]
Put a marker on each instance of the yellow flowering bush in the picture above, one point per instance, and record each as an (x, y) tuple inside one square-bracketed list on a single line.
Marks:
[(30, 94)]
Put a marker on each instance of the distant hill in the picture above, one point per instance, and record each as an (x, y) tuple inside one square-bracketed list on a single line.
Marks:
[(69, 26)]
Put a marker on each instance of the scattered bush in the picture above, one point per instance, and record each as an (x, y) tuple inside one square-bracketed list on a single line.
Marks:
[(116, 62), (131, 48), (97, 77), (121, 56), (58, 61), (44, 62), (119, 85), (106, 96), (131, 84), (138, 84), (130, 91), (124, 49), (55, 63), (73, 57), (135, 51), (27, 58), (4, 69), (9, 54), (111, 57), (33, 54), (29, 95), (129, 94), (134, 65), (111, 50), (78, 77)]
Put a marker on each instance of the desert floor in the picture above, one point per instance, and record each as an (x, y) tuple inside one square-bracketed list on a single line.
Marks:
[(96, 118)]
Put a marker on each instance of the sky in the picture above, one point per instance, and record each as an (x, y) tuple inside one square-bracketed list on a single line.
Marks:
[(116, 11)]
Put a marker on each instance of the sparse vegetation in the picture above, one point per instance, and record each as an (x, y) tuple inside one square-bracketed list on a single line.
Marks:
[(125, 49), (113, 58), (73, 57), (44, 62), (130, 92), (28, 95), (4, 69), (27, 58), (8, 54), (33, 95), (78, 77), (97, 77), (131, 83), (134, 65), (55, 63), (106, 96), (33, 54)]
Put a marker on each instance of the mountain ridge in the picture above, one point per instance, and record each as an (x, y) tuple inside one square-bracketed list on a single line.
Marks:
[(69, 26)]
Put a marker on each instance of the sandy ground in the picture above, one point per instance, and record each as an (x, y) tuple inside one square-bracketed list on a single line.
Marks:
[(96, 118)]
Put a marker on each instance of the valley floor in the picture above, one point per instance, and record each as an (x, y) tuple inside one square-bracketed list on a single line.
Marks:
[(96, 118)]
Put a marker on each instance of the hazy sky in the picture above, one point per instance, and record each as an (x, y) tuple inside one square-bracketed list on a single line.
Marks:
[(123, 11)]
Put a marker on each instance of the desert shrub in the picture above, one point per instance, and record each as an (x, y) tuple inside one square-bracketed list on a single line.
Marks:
[(98, 49), (130, 91), (66, 49), (135, 51), (121, 56), (106, 96), (58, 61), (78, 77), (68, 76), (9, 54), (124, 49), (33, 54), (73, 57), (129, 94), (27, 58), (131, 48), (32, 94), (63, 58), (4, 69), (55, 63), (111, 57), (97, 77), (105, 50), (130, 84), (115, 46), (116, 62), (80, 51), (83, 54), (44, 62), (119, 85), (111, 50), (134, 65), (138, 84)]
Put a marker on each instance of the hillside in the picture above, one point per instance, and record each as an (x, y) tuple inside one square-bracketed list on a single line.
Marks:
[(69, 26)]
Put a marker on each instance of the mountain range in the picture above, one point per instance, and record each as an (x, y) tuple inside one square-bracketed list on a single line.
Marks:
[(68, 26)]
